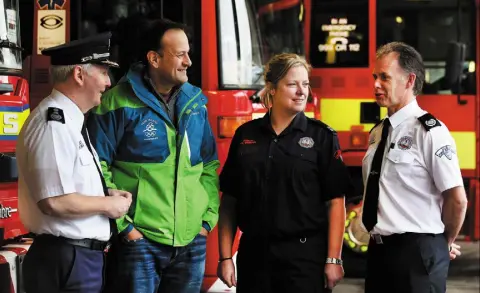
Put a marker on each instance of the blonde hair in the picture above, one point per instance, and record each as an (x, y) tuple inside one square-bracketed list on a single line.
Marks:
[(276, 69)]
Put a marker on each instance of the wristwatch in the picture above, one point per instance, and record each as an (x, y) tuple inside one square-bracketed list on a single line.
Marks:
[(335, 261)]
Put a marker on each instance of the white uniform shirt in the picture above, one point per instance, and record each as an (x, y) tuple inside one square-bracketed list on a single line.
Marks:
[(53, 160), (418, 165)]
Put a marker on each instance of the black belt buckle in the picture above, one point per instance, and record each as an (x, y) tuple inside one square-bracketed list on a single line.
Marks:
[(377, 238), (98, 245)]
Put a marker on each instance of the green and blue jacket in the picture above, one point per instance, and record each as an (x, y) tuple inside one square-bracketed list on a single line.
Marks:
[(170, 168)]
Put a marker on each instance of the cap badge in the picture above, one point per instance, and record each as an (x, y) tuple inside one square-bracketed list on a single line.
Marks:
[(95, 56)]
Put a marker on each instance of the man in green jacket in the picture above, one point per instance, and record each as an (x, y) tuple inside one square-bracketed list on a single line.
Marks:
[(154, 140)]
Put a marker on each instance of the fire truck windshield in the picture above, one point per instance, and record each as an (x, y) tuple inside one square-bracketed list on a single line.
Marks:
[(10, 52), (250, 32), (339, 34), (431, 28)]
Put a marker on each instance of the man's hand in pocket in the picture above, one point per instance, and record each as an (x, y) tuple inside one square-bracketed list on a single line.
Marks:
[(134, 235), (203, 232)]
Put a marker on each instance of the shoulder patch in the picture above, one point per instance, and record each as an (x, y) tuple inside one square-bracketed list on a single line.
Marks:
[(428, 121), (318, 122), (374, 126), (55, 114)]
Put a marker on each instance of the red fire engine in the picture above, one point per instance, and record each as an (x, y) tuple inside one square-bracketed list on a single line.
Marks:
[(14, 109)]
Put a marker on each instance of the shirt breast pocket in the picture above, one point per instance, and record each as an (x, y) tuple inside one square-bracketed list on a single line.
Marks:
[(399, 162), (308, 157), (306, 164), (251, 157)]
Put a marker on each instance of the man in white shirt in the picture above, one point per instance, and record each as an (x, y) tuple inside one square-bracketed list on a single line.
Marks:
[(62, 195), (414, 199)]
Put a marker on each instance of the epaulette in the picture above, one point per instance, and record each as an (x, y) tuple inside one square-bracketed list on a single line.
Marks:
[(378, 123), (55, 114), (428, 121), (323, 125)]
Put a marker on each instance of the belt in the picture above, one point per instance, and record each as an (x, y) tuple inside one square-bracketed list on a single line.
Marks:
[(92, 244), (397, 238)]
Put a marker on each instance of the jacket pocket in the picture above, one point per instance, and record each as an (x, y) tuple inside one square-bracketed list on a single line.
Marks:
[(155, 201), (196, 200)]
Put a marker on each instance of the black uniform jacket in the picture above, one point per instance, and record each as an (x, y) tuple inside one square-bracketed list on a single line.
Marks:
[(283, 183)]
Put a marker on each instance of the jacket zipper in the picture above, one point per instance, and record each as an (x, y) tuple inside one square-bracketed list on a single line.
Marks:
[(178, 143)]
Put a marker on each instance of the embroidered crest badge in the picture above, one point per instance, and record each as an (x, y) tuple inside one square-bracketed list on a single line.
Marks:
[(446, 151), (150, 130), (306, 142), (405, 143)]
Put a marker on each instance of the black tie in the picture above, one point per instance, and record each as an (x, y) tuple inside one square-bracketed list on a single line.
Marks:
[(113, 224), (370, 204)]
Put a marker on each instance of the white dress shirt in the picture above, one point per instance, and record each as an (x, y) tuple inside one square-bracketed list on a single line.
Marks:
[(418, 165), (53, 160)]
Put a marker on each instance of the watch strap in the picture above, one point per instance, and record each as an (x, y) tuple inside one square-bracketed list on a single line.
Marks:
[(335, 261)]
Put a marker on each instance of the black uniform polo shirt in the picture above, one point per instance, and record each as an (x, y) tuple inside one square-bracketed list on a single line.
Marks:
[(283, 183)]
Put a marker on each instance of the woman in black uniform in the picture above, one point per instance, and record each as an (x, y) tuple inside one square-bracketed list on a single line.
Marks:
[(283, 185)]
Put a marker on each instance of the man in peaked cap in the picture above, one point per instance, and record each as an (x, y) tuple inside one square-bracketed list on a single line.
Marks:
[(62, 194)]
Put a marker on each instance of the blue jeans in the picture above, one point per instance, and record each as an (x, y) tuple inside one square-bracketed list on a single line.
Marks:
[(144, 266)]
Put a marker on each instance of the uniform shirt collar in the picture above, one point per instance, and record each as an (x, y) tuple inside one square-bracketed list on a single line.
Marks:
[(299, 122), (404, 113), (70, 110)]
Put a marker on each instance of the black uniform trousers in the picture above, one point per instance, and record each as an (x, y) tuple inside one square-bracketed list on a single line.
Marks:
[(294, 265), (55, 266), (408, 263)]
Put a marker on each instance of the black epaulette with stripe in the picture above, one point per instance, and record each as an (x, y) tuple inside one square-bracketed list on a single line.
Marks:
[(428, 121)]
